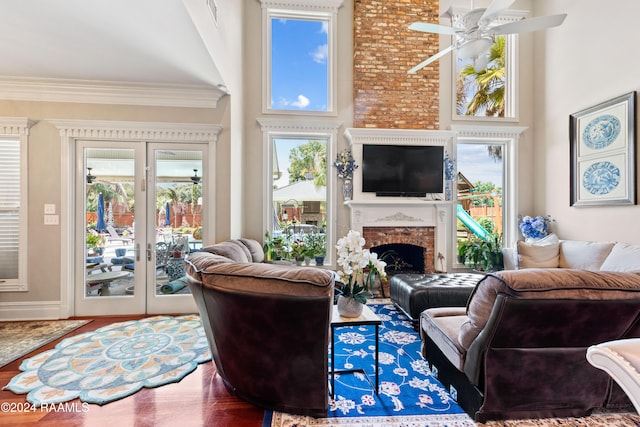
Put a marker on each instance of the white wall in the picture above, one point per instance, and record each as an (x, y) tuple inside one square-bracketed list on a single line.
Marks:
[(591, 58)]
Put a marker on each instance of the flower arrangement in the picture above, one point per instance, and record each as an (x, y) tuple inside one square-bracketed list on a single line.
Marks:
[(359, 267), (535, 228), (345, 164)]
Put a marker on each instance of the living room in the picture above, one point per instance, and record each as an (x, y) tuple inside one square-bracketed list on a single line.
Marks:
[(561, 71)]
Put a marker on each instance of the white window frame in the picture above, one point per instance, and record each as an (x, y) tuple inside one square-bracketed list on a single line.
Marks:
[(508, 137), (273, 129), (512, 111), (18, 128), (325, 10)]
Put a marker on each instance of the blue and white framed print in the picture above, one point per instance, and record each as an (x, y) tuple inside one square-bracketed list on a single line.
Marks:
[(603, 140)]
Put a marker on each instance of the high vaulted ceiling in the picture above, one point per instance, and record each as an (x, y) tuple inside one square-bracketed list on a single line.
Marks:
[(139, 43)]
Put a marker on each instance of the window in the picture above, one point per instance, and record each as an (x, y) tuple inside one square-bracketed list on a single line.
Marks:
[(13, 204), (486, 158), (300, 184), (299, 57), (487, 93)]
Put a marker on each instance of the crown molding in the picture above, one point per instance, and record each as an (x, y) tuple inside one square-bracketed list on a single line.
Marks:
[(398, 136), (297, 125), (502, 132), (327, 5), (148, 131), (109, 92), (15, 125)]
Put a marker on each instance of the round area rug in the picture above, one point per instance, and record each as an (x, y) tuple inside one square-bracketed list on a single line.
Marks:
[(114, 361)]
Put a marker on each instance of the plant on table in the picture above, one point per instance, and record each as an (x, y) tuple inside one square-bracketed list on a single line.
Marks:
[(358, 268), (317, 246), (95, 241)]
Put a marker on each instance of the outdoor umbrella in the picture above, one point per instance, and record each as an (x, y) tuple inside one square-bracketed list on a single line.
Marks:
[(100, 225), (167, 217)]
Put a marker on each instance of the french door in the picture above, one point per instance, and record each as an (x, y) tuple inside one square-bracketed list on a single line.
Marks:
[(139, 214)]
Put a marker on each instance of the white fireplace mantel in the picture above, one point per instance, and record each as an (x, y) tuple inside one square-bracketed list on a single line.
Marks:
[(408, 213)]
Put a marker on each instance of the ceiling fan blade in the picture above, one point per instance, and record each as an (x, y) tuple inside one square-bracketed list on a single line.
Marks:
[(429, 60), (432, 28), (529, 24), (494, 10)]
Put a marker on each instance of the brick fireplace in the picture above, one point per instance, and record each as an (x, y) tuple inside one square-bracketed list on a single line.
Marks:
[(413, 247)]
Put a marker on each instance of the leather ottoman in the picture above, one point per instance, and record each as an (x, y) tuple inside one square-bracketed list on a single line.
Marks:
[(414, 293)]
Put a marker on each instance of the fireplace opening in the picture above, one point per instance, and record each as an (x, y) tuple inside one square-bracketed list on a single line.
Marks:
[(401, 257)]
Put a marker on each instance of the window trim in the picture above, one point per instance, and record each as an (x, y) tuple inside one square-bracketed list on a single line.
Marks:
[(309, 10), (508, 137), (300, 129), (18, 127), (512, 113)]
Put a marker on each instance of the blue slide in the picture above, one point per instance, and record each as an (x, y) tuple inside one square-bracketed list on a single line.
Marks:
[(471, 224)]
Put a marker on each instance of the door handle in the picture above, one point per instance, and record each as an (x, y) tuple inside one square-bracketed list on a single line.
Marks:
[(137, 252), (149, 252)]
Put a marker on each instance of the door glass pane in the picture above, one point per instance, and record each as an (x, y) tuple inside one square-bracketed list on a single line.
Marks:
[(178, 216), (299, 200), (109, 213), (480, 183)]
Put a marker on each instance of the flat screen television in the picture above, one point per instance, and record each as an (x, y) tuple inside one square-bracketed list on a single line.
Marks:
[(402, 170)]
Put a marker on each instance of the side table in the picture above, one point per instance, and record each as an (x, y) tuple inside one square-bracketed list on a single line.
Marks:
[(368, 317)]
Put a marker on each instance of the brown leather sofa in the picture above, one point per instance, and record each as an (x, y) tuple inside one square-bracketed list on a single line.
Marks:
[(518, 350), (267, 325)]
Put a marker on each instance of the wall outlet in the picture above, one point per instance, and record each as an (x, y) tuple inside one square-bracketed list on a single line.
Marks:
[(51, 220)]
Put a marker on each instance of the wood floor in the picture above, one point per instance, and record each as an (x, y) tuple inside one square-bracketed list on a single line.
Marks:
[(200, 399)]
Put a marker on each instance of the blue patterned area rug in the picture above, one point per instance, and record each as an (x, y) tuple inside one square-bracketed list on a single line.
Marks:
[(409, 395), (114, 361)]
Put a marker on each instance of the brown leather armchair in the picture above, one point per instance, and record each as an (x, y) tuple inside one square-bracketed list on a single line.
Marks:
[(267, 325)]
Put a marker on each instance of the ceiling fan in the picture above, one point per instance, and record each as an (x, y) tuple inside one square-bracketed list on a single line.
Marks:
[(475, 33)]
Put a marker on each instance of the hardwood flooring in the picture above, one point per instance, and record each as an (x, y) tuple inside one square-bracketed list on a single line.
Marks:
[(200, 399)]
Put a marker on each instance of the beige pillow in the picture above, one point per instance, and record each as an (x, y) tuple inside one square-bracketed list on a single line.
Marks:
[(541, 253), (623, 257)]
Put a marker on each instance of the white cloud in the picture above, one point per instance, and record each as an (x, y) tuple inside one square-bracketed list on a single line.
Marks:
[(320, 54), (325, 27), (301, 102)]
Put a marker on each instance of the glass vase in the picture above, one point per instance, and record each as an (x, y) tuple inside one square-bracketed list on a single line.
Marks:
[(347, 189)]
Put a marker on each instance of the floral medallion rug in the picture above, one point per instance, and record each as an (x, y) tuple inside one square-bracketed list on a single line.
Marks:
[(408, 395), (114, 361)]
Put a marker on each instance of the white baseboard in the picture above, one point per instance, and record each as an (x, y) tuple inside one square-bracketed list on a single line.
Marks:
[(39, 310)]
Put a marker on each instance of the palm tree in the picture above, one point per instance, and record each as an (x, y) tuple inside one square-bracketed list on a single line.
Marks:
[(488, 85)]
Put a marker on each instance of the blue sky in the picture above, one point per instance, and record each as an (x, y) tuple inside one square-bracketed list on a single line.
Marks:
[(474, 163), (299, 65)]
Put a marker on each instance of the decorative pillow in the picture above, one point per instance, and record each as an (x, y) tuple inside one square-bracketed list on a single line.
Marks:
[(540, 253), (583, 255), (255, 248), (623, 257)]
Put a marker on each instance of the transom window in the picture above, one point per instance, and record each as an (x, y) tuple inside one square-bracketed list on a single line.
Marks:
[(299, 58), (486, 89)]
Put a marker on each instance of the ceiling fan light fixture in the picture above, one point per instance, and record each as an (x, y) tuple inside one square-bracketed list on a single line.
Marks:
[(473, 49)]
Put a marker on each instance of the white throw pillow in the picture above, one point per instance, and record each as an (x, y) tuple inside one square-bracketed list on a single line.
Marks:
[(540, 253), (623, 257), (583, 255)]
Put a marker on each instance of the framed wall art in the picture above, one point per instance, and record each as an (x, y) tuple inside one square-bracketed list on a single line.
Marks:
[(603, 159)]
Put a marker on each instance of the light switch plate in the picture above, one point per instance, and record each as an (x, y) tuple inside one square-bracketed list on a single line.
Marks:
[(51, 220), (49, 209)]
